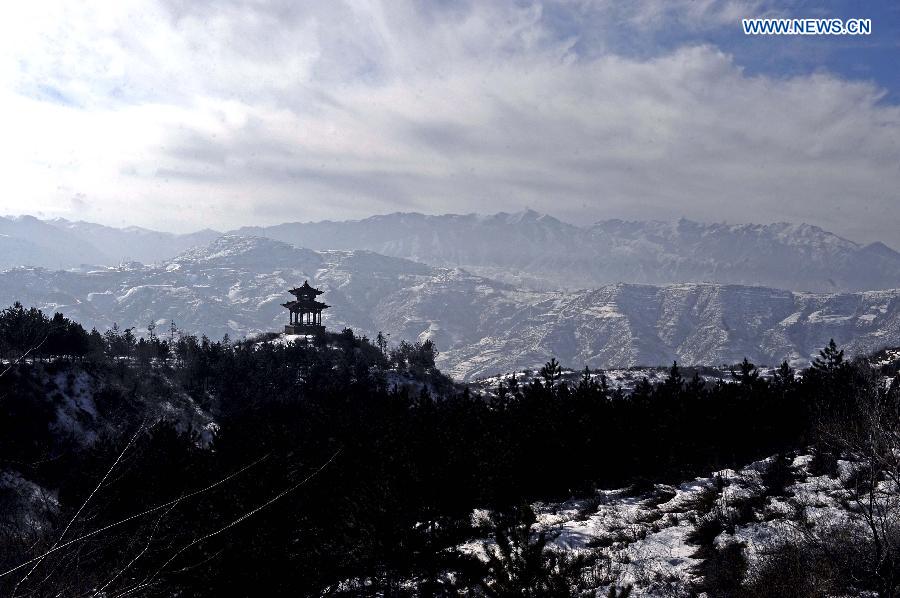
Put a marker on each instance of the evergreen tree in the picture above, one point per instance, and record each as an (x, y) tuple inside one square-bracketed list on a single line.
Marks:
[(830, 360), (747, 374), (382, 343), (784, 377), (674, 381), (551, 372)]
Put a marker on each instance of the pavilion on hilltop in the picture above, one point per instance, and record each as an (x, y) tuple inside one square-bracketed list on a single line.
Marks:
[(305, 311)]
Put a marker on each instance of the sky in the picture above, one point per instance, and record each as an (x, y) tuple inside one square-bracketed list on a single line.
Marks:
[(185, 115)]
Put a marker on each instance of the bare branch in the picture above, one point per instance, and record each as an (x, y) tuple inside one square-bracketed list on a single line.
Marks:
[(83, 505), (135, 516), (23, 356), (148, 581)]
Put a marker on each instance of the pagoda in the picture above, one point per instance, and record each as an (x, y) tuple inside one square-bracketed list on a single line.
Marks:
[(305, 311)]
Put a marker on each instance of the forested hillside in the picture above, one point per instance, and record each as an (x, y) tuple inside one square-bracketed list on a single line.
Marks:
[(340, 466)]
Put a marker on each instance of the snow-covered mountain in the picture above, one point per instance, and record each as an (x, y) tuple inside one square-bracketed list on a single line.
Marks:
[(526, 249), (235, 285), (541, 252)]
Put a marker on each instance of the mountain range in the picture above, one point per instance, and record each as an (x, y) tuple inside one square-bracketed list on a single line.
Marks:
[(538, 251), (62, 244), (235, 285), (526, 249)]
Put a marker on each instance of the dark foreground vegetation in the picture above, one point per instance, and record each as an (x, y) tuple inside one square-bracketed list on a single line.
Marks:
[(340, 467)]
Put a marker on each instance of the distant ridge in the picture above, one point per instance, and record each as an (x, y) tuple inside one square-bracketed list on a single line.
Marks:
[(62, 244), (526, 249), (539, 251)]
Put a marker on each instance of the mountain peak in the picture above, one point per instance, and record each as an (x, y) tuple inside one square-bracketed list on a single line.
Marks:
[(526, 215), (880, 249), (248, 251)]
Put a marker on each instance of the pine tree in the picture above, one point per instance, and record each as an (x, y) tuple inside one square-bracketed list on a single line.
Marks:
[(551, 372), (513, 383), (784, 376), (586, 384), (382, 343), (748, 373), (830, 359), (674, 382), (696, 386)]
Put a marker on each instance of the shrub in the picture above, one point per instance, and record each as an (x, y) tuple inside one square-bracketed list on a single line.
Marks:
[(778, 476), (723, 570)]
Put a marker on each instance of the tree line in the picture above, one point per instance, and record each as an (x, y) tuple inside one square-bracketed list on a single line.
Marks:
[(372, 483)]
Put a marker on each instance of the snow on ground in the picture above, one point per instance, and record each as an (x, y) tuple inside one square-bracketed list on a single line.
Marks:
[(643, 537), (27, 506), (76, 412), (72, 392), (638, 536), (287, 339), (887, 357)]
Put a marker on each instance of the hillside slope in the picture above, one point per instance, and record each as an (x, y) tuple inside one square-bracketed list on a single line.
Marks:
[(236, 286)]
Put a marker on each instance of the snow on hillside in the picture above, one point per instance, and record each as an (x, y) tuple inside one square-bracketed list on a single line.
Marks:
[(538, 251), (526, 249), (482, 327), (655, 538)]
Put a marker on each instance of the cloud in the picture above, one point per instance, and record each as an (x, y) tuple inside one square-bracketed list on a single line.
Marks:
[(184, 115)]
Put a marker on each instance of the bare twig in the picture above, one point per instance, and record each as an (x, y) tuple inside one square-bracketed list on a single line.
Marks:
[(149, 580), (135, 516), (82, 507), (139, 554), (23, 356)]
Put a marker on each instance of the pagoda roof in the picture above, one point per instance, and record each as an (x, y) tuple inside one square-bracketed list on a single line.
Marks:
[(308, 304), (305, 289)]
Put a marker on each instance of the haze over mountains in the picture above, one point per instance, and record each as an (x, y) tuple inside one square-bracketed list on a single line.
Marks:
[(61, 244), (539, 251), (526, 249), (236, 284)]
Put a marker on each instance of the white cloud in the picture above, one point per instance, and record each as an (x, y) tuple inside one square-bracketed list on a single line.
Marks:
[(260, 112)]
